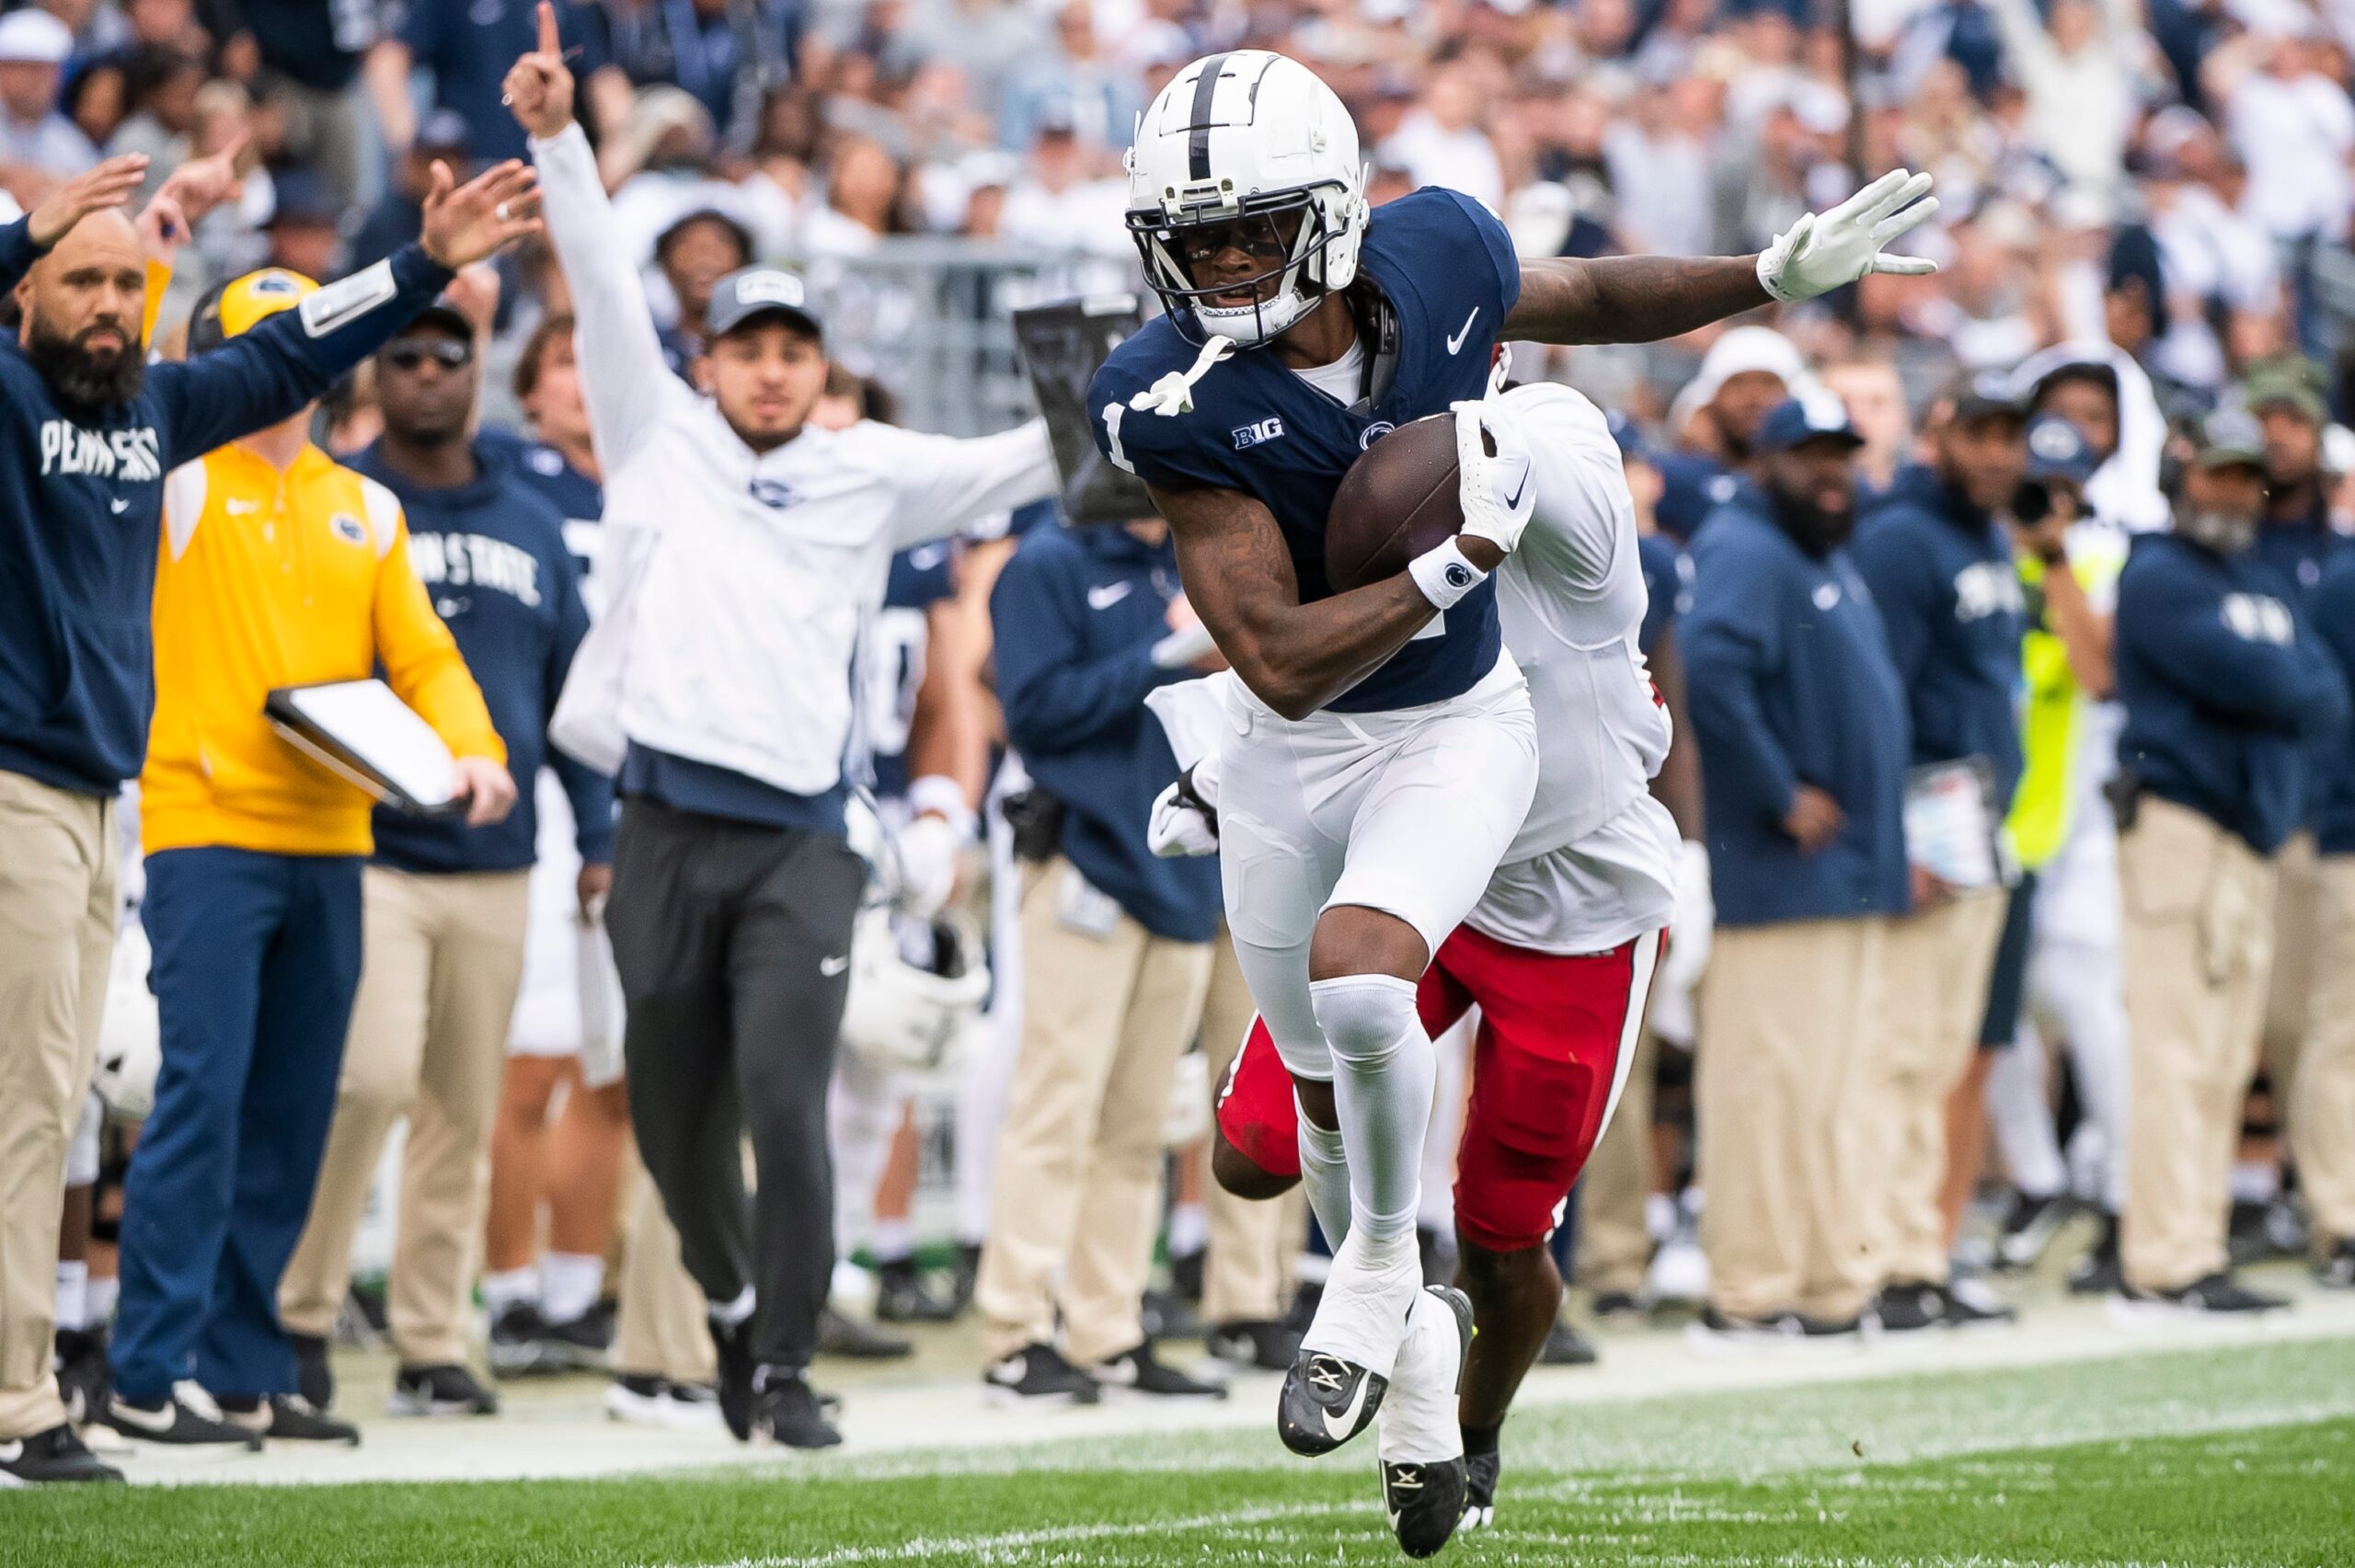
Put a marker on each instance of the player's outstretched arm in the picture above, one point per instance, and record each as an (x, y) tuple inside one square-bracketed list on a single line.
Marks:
[(1295, 657), (1640, 299)]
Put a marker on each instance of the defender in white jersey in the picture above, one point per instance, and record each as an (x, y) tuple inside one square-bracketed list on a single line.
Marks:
[(1558, 952)]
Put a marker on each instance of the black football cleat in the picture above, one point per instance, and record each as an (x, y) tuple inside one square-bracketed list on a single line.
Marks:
[(1425, 1501), (1480, 1491), (1326, 1401)]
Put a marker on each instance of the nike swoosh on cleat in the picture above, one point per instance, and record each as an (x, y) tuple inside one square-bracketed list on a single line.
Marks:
[(1342, 1432)]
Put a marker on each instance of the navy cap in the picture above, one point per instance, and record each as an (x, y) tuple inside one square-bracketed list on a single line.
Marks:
[(1985, 394), (2057, 449), (1820, 415), (751, 292)]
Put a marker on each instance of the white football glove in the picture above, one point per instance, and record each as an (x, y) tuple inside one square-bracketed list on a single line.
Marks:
[(1495, 490), (926, 849), (1824, 250), (1184, 815), (1689, 931)]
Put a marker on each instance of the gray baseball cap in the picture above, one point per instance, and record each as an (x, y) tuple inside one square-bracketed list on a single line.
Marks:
[(750, 291)]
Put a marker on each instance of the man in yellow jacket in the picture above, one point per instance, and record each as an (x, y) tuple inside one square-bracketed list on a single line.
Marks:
[(278, 568)]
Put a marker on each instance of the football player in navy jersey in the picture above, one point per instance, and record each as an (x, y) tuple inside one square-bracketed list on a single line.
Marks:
[(1388, 755)]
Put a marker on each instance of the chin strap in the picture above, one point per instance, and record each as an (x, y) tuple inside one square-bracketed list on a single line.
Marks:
[(1173, 392)]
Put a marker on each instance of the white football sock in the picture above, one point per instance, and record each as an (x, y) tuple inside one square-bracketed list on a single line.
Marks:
[(73, 1294), (508, 1288), (1190, 1230), (1325, 1176), (1418, 1421), (895, 1240), (569, 1284), (1383, 1073), (100, 1299)]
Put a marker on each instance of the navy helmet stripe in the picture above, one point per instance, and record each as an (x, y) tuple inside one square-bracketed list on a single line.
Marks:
[(1197, 146)]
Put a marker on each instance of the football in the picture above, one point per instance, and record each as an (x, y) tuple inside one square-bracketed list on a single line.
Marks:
[(1397, 501)]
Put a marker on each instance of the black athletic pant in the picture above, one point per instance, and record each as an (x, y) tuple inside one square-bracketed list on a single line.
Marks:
[(732, 942)]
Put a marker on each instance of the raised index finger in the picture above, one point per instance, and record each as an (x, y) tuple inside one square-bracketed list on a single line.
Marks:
[(551, 42)]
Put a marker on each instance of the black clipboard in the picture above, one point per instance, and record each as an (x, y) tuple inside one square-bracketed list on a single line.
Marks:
[(1062, 346), (360, 735)]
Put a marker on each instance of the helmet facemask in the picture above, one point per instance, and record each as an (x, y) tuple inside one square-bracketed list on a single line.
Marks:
[(1287, 235)]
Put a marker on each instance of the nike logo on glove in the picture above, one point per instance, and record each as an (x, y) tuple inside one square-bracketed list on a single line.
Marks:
[(1514, 499), (1456, 343)]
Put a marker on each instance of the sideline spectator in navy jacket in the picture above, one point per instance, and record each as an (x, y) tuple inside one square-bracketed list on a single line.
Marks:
[(2225, 684), (1116, 955), (2322, 1098), (1939, 563), (1803, 734), (446, 905)]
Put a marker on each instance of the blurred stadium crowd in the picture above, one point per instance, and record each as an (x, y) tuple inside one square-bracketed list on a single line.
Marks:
[(2145, 220)]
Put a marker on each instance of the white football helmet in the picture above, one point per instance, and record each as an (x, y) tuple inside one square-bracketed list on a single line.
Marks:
[(914, 986), (1247, 150), (131, 1048)]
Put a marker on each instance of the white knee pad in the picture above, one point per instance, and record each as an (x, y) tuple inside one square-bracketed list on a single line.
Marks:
[(1364, 1018)]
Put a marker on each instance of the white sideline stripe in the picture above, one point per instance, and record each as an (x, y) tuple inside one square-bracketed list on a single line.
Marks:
[(924, 1547)]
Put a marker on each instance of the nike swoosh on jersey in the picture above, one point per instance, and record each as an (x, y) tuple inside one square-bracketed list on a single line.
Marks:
[(834, 966), (1108, 595), (239, 509), (1456, 342), (120, 506), (1339, 1430)]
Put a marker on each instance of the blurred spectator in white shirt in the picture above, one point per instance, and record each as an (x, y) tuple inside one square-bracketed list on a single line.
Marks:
[(1658, 157), (39, 147), (2294, 128), (1439, 140), (2078, 71), (1076, 80)]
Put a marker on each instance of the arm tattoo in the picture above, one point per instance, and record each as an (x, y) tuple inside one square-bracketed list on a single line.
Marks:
[(1630, 299)]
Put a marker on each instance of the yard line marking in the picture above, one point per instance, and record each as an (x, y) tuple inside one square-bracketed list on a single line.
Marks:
[(987, 1546)]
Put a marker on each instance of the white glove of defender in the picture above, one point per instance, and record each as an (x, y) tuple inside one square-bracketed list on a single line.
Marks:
[(926, 849), (1184, 815), (1495, 489), (1824, 250), (1689, 929)]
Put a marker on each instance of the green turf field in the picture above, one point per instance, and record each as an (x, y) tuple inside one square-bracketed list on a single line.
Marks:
[(2209, 1458)]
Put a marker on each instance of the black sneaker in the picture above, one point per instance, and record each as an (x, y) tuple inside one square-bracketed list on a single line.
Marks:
[(1910, 1306), (1971, 1305), (902, 1295), (786, 1411), (1186, 1274), (439, 1391), (969, 1269), (733, 1353), (1164, 1315), (1038, 1376), (1480, 1491), (1564, 1346), (855, 1341), (81, 1373), (2272, 1228), (578, 1344), (2336, 1272), (1326, 1401), (2219, 1294), (1142, 1373), (2099, 1272), (2028, 1228), (181, 1420), (1717, 1329), (518, 1346), (314, 1378), (1262, 1345), (1425, 1501), (289, 1418), (56, 1455), (1609, 1304)]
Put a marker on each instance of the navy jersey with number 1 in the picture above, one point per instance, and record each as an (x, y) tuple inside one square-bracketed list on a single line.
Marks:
[(1446, 273)]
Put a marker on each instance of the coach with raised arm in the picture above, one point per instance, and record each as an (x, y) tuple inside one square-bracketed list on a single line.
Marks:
[(746, 550), (90, 432)]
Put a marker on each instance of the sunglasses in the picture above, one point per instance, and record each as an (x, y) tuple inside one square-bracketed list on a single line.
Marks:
[(447, 352)]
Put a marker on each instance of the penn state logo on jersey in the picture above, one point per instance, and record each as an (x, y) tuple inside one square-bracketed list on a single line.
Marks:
[(348, 528), (774, 494)]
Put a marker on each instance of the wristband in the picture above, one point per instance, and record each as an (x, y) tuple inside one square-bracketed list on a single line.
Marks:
[(1445, 574), (945, 797), (1181, 648)]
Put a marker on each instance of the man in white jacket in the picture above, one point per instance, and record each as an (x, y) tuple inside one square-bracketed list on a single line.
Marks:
[(747, 550)]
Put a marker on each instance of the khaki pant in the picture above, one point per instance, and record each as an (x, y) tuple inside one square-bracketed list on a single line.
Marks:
[(2290, 992), (1251, 1245), (444, 957), (57, 924), (1938, 963), (2199, 944), (1789, 1016), (662, 1331), (1615, 1244), (1078, 1184), (2322, 1125)]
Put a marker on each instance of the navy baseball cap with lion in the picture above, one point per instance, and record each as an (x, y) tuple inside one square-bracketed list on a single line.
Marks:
[(752, 292)]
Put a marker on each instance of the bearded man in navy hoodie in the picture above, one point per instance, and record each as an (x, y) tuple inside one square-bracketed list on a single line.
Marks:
[(448, 905)]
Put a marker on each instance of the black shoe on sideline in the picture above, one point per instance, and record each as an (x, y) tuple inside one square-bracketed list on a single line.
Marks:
[(2336, 1272), (518, 1346), (733, 1354), (1262, 1345), (81, 1373), (314, 1377), (2219, 1294), (1609, 1304), (1425, 1501), (1142, 1373), (579, 1343), (441, 1390), (1037, 1377), (2099, 1273), (49, 1458), (1165, 1315), (1564, 1346), (902, 1296), (969, 1269), (2029, 1225), (1969, 1304), (1910, 1306), (786, 1411), (289, 1418), (178, 1422), (1480, 1472), (855, 1341), (1795, 1329), (1326, 1401), (1186, 1274)]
